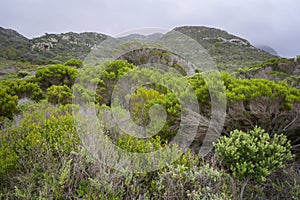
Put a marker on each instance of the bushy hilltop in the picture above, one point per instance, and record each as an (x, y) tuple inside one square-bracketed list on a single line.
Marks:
[(49, 48), (13, 46), (61, 47), (229, 52), (267, 49)]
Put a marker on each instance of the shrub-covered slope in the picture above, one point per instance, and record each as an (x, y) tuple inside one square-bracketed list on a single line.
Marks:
[(228, 51)]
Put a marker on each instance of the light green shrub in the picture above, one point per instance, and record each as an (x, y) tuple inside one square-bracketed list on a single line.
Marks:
[(74, 63), (253, 154), (57, 94), (196, 182)]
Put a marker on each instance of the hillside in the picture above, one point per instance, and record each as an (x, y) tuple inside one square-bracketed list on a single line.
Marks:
[(146, 38), (13, 46), (47, 49), (267, 49), (61, 47), (229, 51)]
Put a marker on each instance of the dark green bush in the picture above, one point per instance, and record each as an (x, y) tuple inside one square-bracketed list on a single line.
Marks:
[(74, 63), (57, 94), (56, 75), (109, 77), (24, 89), (23, 74), (8, 104)]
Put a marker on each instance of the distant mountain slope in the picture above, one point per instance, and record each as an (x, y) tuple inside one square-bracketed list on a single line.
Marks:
[(267, 49), (61, 47), (49, 48), (229, 51), (13, 46), (143, 38)]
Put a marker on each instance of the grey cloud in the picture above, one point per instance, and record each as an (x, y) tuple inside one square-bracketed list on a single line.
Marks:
[(269, 22)]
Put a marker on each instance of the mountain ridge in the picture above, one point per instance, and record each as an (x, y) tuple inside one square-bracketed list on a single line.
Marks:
[(267, 49), (230, 52)]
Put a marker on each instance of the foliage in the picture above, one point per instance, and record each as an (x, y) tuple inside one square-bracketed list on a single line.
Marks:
[(8, 104), (111, 74), (8, 157), (56, 75), (253, 154), (278, 70), (197, 182), (138, 103), (272, 106), (57, 94), (274, 63), (24, 89), (248, 89), (74, 63), (39, 144), (13, 91), (22, 74), (41, 157), (139, 145), (283, 184)]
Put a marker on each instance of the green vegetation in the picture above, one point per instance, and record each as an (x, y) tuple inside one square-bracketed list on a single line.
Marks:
[(278, 70), (43, 157), (228, 51), (248, 89), (45, 150), (74, 63), (56, 75), (8, 104), (59, 94), (24, 89), (253, 155)]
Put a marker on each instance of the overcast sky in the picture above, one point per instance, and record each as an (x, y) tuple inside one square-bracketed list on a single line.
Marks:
[(270, 22)]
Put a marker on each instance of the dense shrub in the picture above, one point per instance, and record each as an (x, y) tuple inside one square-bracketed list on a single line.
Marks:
[(8, 104), (197, 182), (249, 89), (22, 74), (41, 157), (273, 106), (56, 75), (13, 91), (24, 89), (74, 63), (253, 154), (35, 149), (57, 94), (109, 77)]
